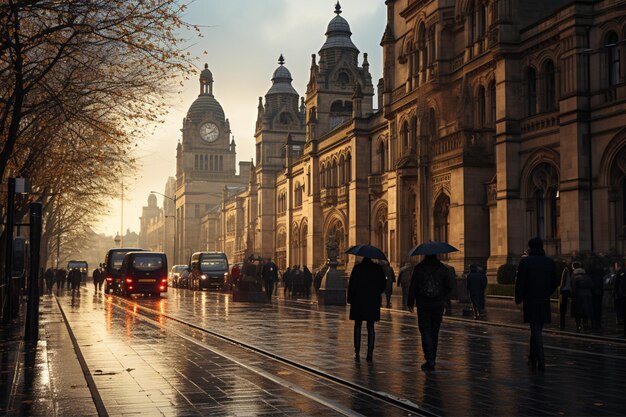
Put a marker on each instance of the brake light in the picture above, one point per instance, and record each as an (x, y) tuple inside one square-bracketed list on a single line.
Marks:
[(130, 288), (129, 280), (109, 279), (162, 287), (164, 280)]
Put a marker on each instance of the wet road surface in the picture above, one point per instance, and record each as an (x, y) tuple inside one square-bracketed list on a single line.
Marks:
[(145, 359)]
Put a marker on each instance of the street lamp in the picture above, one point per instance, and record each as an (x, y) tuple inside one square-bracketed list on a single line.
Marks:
[(175, 222)]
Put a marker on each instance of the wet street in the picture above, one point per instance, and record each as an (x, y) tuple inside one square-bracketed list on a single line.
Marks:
[(199, 353)]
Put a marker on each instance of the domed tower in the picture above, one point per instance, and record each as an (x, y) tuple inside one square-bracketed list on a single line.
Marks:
[(206, 162), (333, 81), (280, 116)]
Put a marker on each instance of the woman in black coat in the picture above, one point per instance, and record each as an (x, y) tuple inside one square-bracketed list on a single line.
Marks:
[(367, 283), (476, 284), (582, 294)]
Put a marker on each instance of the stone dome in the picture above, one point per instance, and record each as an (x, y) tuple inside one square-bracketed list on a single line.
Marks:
[(281, 81), (204, 105), (338, 33)]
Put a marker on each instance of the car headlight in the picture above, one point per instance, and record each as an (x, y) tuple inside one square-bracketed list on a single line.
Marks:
[(203, 277)]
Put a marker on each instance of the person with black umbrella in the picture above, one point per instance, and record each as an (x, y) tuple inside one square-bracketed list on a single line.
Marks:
[(367, 283), (430, 285)]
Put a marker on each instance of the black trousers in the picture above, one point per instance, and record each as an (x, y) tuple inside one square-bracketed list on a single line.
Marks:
[(269, 288), (429, 321), (563, 308), (624, 314), (597, 311), (358, 324), (536, 344)]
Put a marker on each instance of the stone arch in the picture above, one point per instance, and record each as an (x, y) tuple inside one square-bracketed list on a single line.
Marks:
[(335, 223), (380, 225), (304, 231), (295, 244), (441, 217), (540, 156), (614, 149)]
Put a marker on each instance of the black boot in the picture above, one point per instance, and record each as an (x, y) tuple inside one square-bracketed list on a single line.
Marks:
[(370, 346), (357, 343)]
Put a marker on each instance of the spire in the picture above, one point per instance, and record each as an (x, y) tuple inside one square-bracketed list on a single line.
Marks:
[(281, 59), (338, 8)]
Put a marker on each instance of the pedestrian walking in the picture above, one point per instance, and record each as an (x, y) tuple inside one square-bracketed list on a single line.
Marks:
[(390, 278), (287, 281), (74, 279), (95, 275), (582, 293), (620, 293), (60, 278), (269, 272), (476, 285), (48, 276), (367, 283), (308, 281), (536, 280), (235, 274), (565, 293), (430, 286), (404, 282)]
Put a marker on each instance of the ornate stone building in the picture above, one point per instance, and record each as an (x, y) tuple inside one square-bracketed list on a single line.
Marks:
[(205, 164), (496, 121)]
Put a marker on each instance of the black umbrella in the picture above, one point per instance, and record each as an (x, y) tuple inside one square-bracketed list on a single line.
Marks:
[(432, 248), (366, 251)]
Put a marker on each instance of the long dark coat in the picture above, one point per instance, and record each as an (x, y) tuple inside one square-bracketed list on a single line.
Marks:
[(536, 280), (367, 283), (582, 295)]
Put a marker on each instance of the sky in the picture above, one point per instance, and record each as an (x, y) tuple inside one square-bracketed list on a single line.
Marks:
[(242, 40)]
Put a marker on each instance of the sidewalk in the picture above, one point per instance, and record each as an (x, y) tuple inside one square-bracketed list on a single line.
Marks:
[(45, 380)]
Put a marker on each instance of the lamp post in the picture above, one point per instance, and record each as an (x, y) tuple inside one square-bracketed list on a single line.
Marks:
[(165, 216)]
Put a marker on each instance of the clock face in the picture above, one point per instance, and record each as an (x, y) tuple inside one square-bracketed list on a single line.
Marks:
[(209, 132)]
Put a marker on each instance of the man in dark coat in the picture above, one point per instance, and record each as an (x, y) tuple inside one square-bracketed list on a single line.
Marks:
[(367, 283), (404, 282), (308, 280), (73, 279), (49, 278), (270, 276), (536, 280), (430, 286), (96, 278), (60, 278), (620, 293), (317, 283), (286, 281), (476, 285), (391, 278)]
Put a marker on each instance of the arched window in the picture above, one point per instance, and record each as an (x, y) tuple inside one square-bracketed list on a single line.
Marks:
[(432, 123), (381, 153), (482, 107), (334, 177), (343, 78), (423, 47), (492, 104), (340, 112), (304, 230), (405, 136), (441, 218), (471, 18), (482, 21), (297, 198), (349, 168), (549, 86), (381, 229), (531, 91), (414, 133), (342, 172), (337, 230), (544, 202), (613, 59), (211, 163)]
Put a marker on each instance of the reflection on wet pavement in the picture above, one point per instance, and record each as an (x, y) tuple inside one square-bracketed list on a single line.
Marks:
[(147, 363)]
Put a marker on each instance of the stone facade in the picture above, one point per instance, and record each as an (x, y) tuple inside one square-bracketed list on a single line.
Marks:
[(496, 121)]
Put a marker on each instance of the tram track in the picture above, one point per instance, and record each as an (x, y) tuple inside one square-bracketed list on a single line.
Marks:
[(381, 396)]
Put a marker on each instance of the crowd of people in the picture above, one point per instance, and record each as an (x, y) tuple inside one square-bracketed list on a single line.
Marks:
[(60, 277)]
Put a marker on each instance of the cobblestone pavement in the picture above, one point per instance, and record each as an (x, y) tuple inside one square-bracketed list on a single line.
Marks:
[(145, 362)]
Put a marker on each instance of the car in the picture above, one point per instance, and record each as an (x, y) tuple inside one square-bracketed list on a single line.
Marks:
[(144, 273), (176, 276), (112, 264), (208, 270)]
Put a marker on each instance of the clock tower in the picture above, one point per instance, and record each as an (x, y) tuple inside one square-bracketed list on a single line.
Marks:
[(205, 164)]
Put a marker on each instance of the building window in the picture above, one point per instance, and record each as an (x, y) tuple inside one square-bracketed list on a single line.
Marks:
[(492, 103), (298, 195), (550, 86), (197, 210), (482, 21), (414, 133), (441, 217), (613, 57), (195, 162), (381, 153), (349, 168), (531, 79), (405, 137), (482, 107)]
